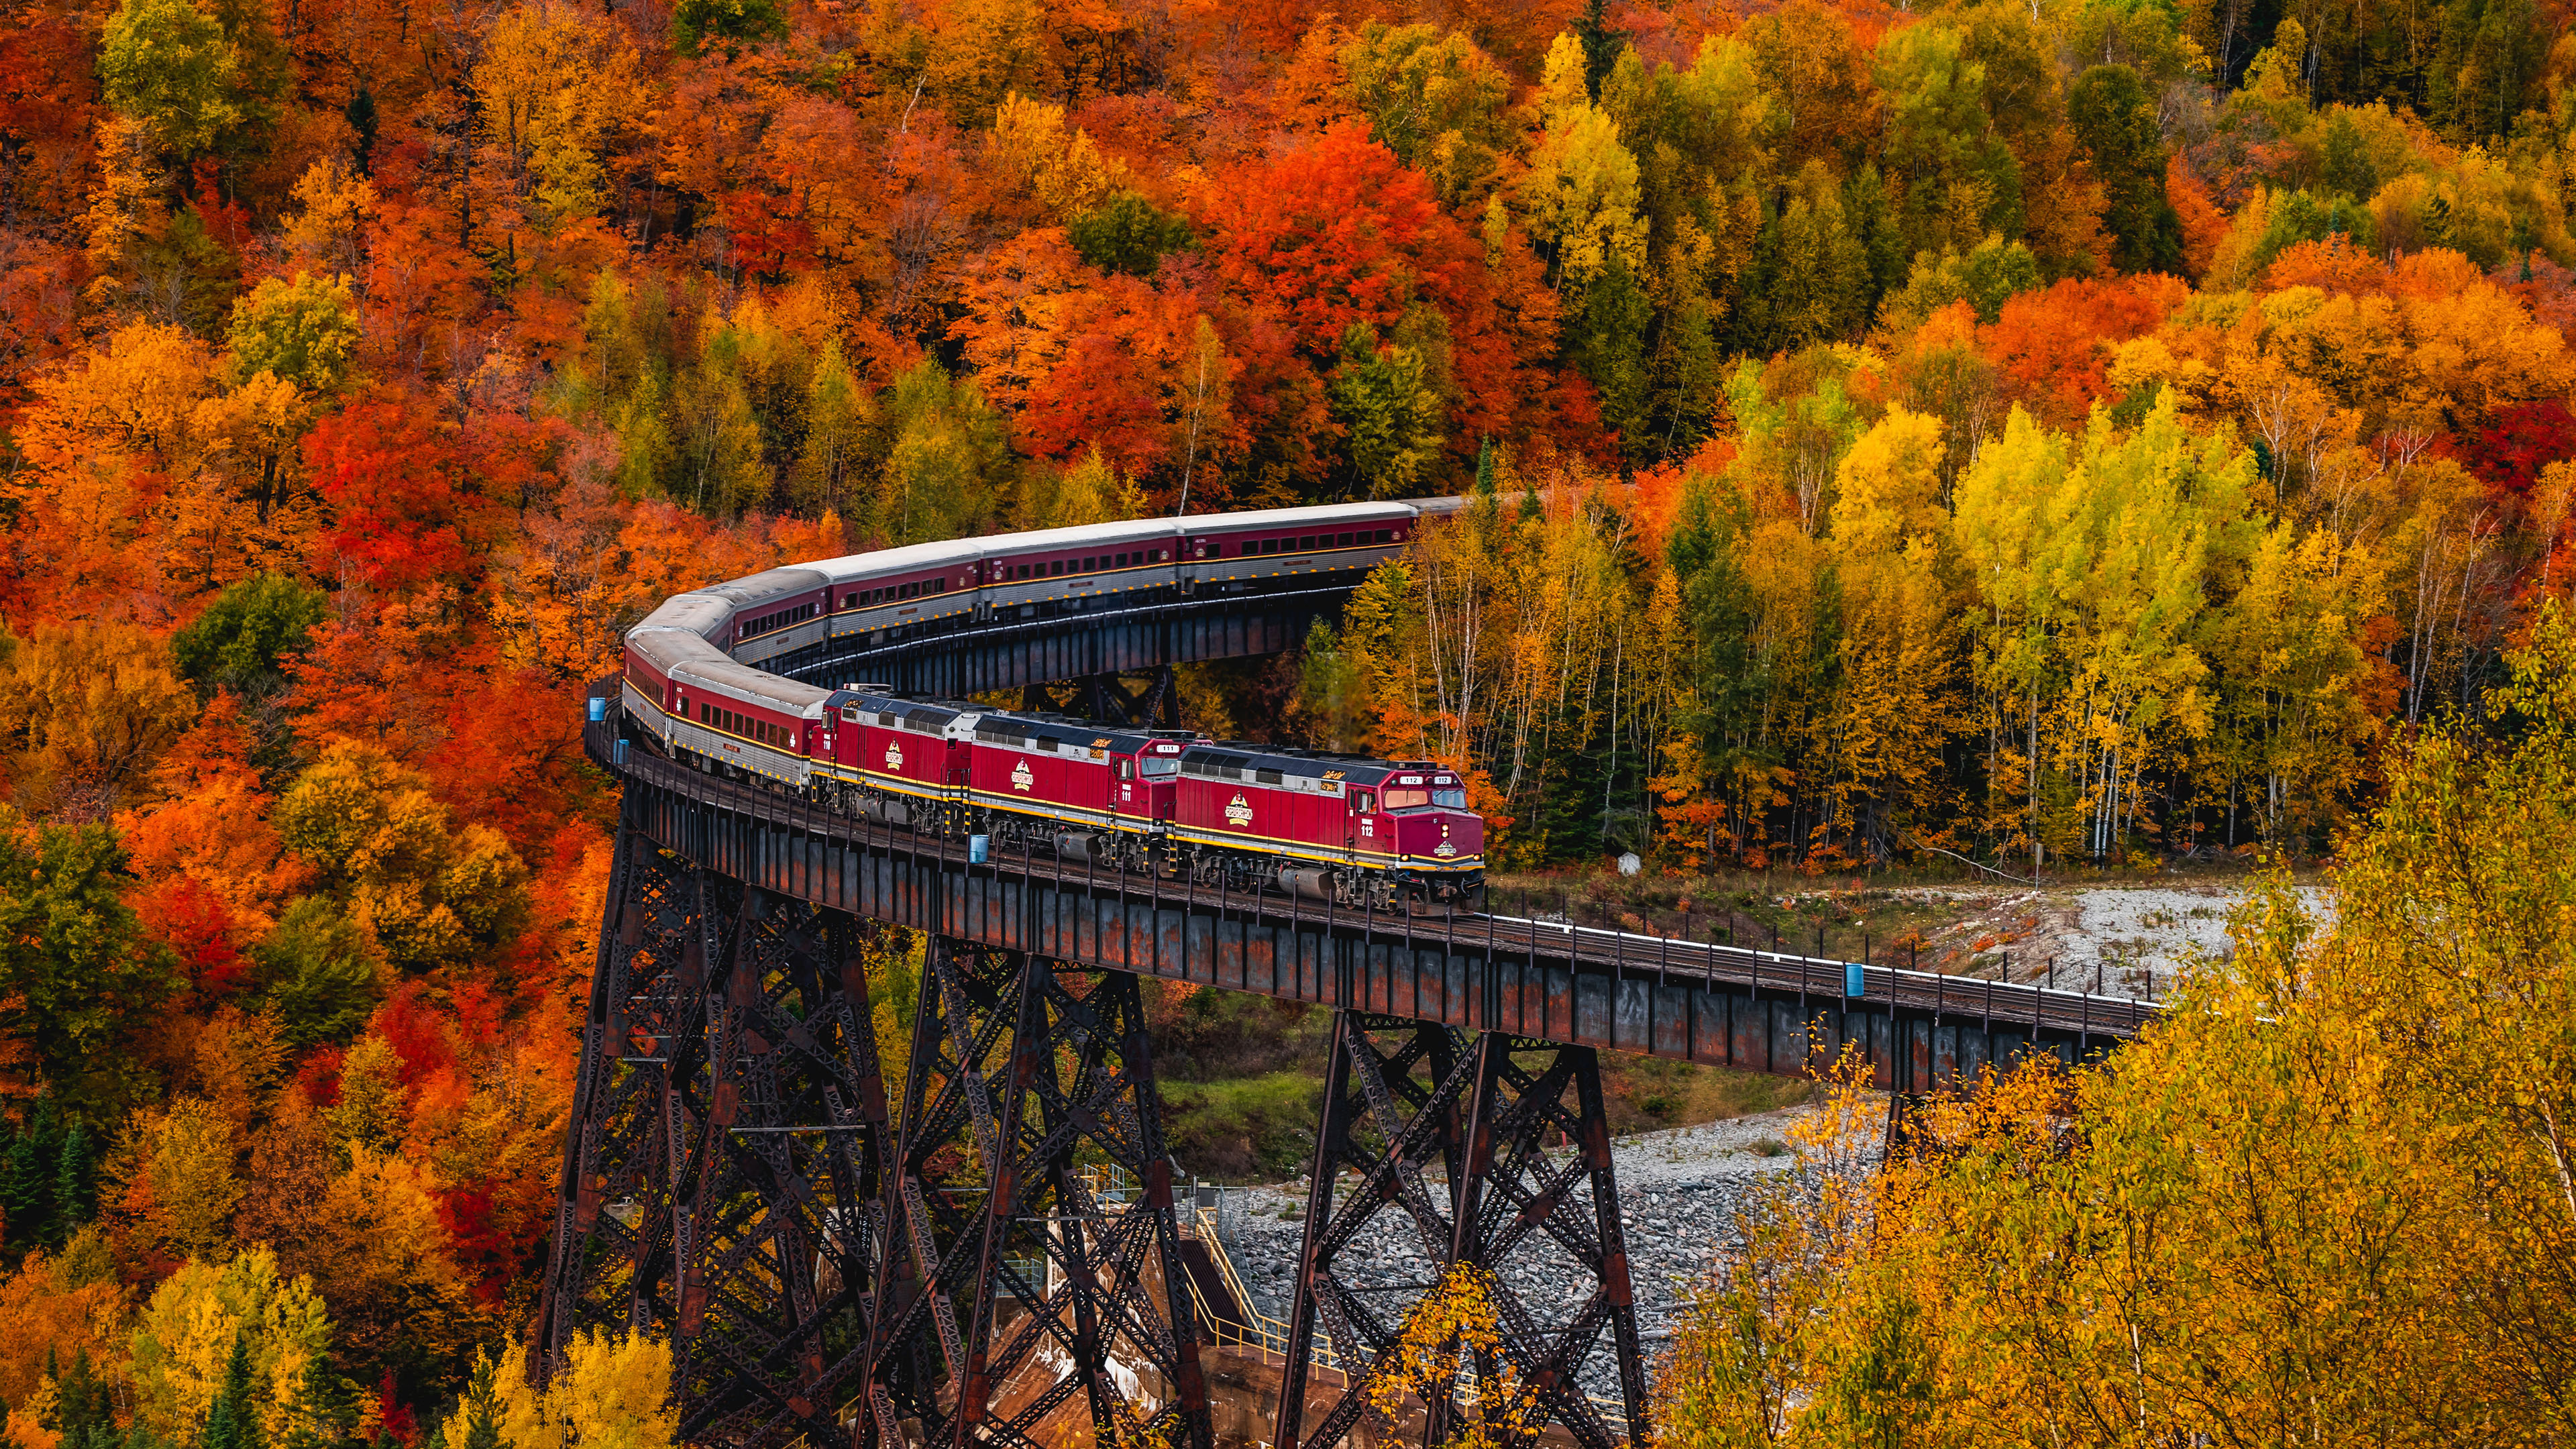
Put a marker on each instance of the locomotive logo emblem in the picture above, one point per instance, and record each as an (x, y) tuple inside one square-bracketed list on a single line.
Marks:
[(1022, 778), (1239, 810), (894, 755)]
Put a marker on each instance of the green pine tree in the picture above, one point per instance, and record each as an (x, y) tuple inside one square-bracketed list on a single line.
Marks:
[(232, 1420), (25, 1191), (83, 1414), (75, 1190), (1607, 336), (481, 1406), (326, 1414)]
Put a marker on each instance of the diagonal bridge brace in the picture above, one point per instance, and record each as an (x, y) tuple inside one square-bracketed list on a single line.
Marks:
[(1039, 1252), (1402, 1098), (726, 1151)]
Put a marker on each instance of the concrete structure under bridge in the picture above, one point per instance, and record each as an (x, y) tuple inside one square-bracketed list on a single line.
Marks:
[(946, 1269)]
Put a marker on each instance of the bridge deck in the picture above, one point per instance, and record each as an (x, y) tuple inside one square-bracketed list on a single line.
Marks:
[(1547, 981)]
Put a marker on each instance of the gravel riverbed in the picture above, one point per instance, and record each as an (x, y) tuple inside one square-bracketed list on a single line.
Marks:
[(1679, 1190)]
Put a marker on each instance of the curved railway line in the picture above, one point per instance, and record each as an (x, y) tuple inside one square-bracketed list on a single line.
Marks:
[(940, 1265)]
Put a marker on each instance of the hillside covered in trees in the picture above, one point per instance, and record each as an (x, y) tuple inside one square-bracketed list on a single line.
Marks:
[(2050, 433)]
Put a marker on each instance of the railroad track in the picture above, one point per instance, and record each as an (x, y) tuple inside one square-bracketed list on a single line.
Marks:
[(1627, 955)]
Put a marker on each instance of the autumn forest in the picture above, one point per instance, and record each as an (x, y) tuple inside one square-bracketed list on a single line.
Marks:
[(2063, 436)]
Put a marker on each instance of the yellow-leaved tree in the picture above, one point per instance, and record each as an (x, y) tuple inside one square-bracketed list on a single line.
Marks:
[(185, 1334), (2328, 1196), (1880, 739), (1453, 1328), (555, 86), (86, 711), (428, 890), (1580, 192), (174, 1183), (612, 1391)]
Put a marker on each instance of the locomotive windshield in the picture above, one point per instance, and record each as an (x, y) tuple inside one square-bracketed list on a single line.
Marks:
[(1401, 799), (1159, 767)]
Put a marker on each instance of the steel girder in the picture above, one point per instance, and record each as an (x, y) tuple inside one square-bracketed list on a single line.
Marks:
[(1402, 1097), (726, 1151), (1152, 702), (1022, 1280)]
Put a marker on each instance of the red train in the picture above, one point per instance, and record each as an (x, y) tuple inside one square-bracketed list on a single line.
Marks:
[(1330, 827)]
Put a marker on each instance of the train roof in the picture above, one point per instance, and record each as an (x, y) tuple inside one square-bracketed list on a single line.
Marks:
[(1299, 517), (707, 616), (1237, 760), (891, 713), (754, 590), (1134, 530), (1057, 732), (879, 562), (777, 691)]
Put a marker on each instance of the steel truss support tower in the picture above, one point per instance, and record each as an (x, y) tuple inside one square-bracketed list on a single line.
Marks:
[(1402, 1098), (730, 1179), (1039, 1257), (726, 1151)]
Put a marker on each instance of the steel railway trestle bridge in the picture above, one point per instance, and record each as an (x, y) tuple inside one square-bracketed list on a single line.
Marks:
[(947, 1270)]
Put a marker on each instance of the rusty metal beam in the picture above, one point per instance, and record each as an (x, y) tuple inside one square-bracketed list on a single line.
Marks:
[(1401, 1099), (1034, 1212), (726, 1151)]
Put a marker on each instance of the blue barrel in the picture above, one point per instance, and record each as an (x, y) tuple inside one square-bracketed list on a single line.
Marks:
[(598, 708), (977, 847), (1851, 978)]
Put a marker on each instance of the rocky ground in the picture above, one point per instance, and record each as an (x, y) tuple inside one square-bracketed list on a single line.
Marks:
[(2118, 940), (1678, 1193)]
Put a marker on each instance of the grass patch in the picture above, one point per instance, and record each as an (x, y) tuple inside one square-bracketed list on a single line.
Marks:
[(1248, 1129), (1645, 1093)]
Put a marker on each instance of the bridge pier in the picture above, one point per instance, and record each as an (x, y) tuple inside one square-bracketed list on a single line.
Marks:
[(730, 1179), (1038, 1254), (727, 1140), (1402, 1096)]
